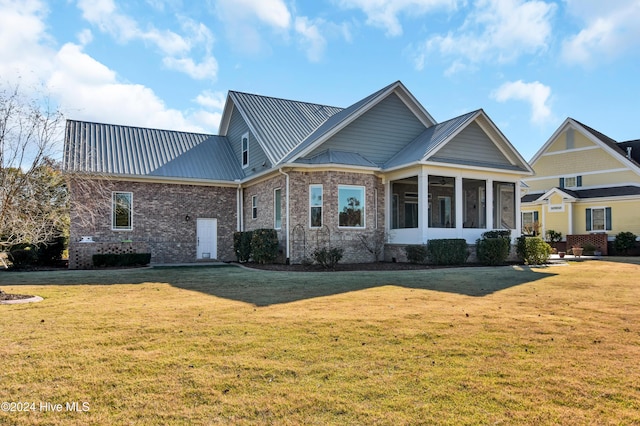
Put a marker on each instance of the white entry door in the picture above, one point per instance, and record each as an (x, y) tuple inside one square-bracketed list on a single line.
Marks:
[(207, 239)]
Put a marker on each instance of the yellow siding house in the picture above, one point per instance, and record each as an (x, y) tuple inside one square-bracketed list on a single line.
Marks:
[(585, 183)]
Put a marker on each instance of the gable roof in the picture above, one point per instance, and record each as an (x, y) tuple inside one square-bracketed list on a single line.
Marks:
[(617, 149), (279, 125), (426, 146), (348, 115), (111, 149)]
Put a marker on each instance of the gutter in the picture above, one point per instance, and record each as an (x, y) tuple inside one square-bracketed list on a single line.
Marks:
[(239, 212), (288, 227)]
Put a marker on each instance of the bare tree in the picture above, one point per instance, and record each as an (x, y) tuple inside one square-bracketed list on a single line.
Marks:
[(33, 193)]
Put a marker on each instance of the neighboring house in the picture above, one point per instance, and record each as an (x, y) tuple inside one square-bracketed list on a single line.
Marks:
[(585, 183), (320, 175)]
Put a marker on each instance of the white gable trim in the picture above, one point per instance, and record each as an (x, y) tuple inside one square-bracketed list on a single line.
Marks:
[(565, 151)]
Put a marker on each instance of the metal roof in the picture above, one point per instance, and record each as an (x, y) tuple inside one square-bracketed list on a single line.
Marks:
[(612, 191), (428, 140), (115, 149), (338, 157), (280, 124)]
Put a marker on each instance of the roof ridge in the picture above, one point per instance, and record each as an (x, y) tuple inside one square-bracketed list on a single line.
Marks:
[(139, 127), (284, 99)]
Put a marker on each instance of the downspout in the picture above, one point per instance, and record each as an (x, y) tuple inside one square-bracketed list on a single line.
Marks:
[(288, 227), (239, 211)]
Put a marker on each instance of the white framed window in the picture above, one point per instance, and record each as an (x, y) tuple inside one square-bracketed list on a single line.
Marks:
[(277, 208), (570, 181), (122, 211), (245, 150), (530, 225), (315, 206), (598, 219), (254, 207), (351, 206)]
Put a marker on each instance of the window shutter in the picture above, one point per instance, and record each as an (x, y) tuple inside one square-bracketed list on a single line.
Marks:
[(588, 219), (607, 218), (578, 180), (535, 216), (561, 182)]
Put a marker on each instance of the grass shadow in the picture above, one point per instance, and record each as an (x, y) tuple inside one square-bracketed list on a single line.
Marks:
[(264, 288)]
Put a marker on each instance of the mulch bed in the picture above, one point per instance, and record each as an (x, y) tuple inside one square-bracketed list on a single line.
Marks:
[(7, 296)]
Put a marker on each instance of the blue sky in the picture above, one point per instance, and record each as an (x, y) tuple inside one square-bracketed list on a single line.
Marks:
[(169, 63)]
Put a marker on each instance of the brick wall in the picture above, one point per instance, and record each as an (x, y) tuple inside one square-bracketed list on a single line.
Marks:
[(598, 240), (159, 219)]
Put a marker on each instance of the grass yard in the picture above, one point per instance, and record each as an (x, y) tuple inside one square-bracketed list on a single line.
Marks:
[(557, 345)]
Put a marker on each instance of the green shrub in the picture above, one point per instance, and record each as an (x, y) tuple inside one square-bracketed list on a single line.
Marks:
[(264, 245), (492, 250), (123, 259), (497, 233), (624, 242), (533, 250), (453, 251), (416, 253), (328, 257), (242, 245), (23, 256), (589, 249)]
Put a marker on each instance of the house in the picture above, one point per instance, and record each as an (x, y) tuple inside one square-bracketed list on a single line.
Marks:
[(320, 175), (585, 183)]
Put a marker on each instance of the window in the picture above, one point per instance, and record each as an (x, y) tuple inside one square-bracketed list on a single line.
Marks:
[(530, 225), (315, 206), (254, 207), (442, 191), (570, 181), (245, 150), (351, 206), (122, 208), (277, 208), (504, 205), (405, 203), (599, 219), (474, 207)]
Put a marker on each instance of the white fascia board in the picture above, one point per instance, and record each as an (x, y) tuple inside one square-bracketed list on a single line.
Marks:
[(165, 180), (478, 168), (226, 116)]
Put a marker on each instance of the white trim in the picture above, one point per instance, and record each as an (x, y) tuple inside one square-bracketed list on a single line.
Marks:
[(316, 185), (364, 206), (567, 151), (242, 150), (275, 209), (113, 201), (599, 172), (254, 207)]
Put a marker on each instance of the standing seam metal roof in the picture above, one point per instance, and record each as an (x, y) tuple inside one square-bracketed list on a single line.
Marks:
[(280, 124), (115, 149)]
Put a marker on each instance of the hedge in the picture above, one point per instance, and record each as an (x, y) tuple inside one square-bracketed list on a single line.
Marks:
[(123, 259), (452, 251)]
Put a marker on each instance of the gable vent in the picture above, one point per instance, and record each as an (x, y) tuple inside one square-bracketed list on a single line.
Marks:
[(629, 152)]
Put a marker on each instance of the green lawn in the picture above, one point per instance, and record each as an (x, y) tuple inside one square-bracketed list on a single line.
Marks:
[(557, 345)]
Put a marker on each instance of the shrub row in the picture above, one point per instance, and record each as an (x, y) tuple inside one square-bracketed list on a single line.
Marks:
[(261, 245), (493, 248), (453, 251), (23, 256), (122, 259)]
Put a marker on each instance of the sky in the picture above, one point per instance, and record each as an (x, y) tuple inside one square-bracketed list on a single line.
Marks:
[(169, 63)]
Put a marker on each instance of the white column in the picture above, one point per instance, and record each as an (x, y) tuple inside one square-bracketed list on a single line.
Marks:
[(423, 206), (489, 205), (570, 207), (459, 206)]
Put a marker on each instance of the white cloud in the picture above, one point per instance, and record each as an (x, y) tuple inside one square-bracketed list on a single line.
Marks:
[(243, 20), (496, 30), (384, 13), (535, 93), (611, 30), (213, 100), (176, 48), (312, 39), (89, 90)]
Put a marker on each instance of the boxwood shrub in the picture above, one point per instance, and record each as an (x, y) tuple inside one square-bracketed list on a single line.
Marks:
[(416, 253), (533, 250), (452, 251), (242, 245), (264, 245), (493, 248)]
